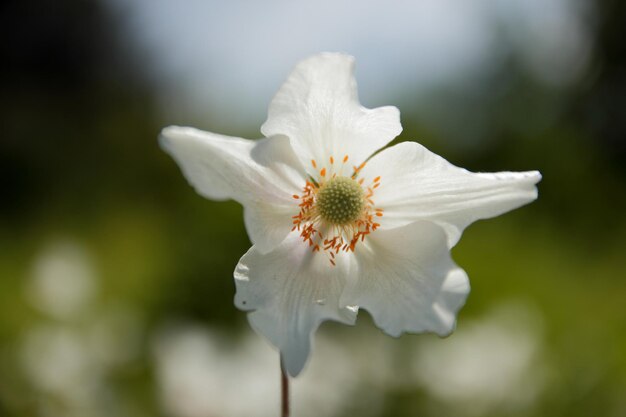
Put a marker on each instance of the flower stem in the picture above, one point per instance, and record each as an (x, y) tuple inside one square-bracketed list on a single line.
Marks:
[(284, 388)]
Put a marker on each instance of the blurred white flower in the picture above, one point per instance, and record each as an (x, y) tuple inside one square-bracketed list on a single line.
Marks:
[(195, 378), (58, 361), (63, 280), (70, 365), (202, 374), (336, 226), (69, 360), (492, 363)]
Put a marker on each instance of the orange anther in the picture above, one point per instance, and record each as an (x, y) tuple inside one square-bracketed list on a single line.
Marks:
[(345, 159), (338, 238), (332, 160)]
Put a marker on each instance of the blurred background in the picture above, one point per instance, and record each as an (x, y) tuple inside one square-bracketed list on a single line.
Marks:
[(116, 277)]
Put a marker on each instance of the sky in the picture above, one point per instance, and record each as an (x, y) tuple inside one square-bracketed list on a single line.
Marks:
[(224, 60)]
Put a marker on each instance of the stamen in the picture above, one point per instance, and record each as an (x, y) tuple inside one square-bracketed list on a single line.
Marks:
[(341, 205)]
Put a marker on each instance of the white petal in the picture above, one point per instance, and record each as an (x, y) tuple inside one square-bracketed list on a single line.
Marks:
[(262, 175), (416, 184), (407, 280), (289, 292), (318, 109)]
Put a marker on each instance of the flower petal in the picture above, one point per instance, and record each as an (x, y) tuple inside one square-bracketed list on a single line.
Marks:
[(416, 184), (262, 175), (407, 280), (318, 109), (289, 292)]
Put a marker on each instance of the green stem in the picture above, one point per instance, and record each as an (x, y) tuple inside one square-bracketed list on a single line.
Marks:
[(284, 388)]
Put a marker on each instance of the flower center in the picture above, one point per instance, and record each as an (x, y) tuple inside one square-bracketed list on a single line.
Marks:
[(340, 201), (337, 209)]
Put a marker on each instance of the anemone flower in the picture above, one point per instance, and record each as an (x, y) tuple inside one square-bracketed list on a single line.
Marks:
[(336, 223)]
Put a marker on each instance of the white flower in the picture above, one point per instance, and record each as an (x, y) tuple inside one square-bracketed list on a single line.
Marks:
[(335, 226)]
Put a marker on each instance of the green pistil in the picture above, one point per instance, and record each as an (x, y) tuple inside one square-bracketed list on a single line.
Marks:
[(340, 201)]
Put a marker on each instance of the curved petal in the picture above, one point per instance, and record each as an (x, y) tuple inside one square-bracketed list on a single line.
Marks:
[(407, 280), (262, 175), (416, 184), (318, 109), (288, 293)]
